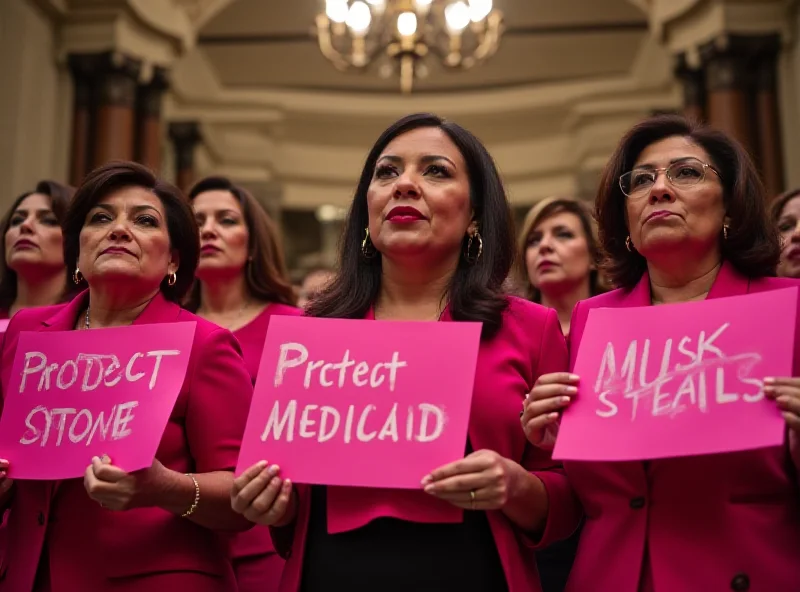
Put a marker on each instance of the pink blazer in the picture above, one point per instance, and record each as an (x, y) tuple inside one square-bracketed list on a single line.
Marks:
[(256, 541), (529, 343), (90, 548), (705, 523)]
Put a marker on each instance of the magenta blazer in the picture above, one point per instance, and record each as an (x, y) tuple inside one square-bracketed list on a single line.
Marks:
[(529, 344), (89, 548), (256, 541), (706, 523)]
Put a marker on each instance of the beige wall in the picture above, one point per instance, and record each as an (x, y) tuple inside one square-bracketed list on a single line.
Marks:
[(789, 79), (35, 102)]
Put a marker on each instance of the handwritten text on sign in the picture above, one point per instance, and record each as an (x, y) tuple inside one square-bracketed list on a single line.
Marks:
[(77, 394), (680, 380), (361, 403)]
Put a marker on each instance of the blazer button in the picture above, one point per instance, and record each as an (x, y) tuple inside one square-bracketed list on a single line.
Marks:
[(40, 519), (740, 583), (637, 503)]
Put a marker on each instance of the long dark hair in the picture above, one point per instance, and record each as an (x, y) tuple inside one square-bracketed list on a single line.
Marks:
[(60, 196), (753, 245), (265, 275), (475, 291)]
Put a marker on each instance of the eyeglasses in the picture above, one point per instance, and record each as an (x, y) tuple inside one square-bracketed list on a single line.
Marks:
[(684, 173)]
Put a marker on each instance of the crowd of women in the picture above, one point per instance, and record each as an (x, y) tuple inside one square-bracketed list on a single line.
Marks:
[(680, 215)]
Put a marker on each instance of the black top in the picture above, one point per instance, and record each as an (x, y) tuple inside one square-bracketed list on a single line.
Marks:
[(396, 555)]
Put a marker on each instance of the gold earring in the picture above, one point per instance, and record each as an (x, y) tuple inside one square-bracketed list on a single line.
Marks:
[(628, 243), (77, 277), (172, 278), (367, 248), (725, 231), (468, 256)]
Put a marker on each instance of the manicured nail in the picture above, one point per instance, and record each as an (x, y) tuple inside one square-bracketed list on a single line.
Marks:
[(552, 416), (769, 380), (262, 464), (426, 480), (574, 377), (564, 400)]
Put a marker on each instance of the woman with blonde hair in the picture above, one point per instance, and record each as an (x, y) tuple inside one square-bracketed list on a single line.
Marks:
[(558, 256)]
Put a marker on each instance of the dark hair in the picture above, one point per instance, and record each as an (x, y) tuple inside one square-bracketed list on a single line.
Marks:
[(60, 196), (776, 208), (265, 275), (752, 246), (181, 225), (475, 290), (543, 210)]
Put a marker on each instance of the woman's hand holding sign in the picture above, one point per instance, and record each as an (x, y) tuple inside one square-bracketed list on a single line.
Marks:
[(114, 489), (542, 408), (261, 496), (786, 394)]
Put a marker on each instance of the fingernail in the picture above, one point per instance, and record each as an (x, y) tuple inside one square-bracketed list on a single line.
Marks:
[(430, 489), (274, 469), (564, 400), (574, 377), (262, 464), (426, 479), (552, 416), (94, 458), (769, 380)]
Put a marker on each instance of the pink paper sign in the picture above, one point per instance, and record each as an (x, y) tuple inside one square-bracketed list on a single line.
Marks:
[(73, 395), (679, 380), (4, 325), (361, 403)]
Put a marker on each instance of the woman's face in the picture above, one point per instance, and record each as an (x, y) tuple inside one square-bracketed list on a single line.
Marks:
[(419, 198), (789, 226), (124, 240), (667, 220), (33, 242), (224, 237), (557, 257)]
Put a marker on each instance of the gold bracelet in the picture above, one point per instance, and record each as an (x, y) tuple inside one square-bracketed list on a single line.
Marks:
[(196, 501)]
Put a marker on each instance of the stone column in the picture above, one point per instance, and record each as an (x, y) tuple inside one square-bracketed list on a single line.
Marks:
[(185, 136), (767, 115), (83, 68), (729, 81), (116, 102), (693, 82), (148, 119)]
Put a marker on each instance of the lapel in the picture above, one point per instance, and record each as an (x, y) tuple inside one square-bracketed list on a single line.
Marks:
[(158, 310)]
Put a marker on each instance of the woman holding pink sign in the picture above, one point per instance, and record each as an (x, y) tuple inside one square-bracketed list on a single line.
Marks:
[(32, 271), (429, 238), (132, 239), (682, 216), (242, 283)]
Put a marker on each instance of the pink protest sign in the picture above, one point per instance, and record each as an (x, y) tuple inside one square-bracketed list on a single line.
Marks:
[(73, 395), (361, 403), (4, 325), (679, 380)]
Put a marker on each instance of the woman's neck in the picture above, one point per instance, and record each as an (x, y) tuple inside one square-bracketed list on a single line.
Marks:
[(40, 290), (564, 301), (228, 303), (690, 284), (114, 309), (413, 293)]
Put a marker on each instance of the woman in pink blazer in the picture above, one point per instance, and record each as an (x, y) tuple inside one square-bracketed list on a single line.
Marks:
[(682, 215), (242, 283), (429, 238), (133, 240), (32, 271), (785, 212)]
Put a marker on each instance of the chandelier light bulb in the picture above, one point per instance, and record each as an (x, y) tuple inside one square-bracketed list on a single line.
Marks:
[(479, 9), (457, 16), (407, 24), (358, 17), (336, 10)]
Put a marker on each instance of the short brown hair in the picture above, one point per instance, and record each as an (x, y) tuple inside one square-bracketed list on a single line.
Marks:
[(776, 208), (181, 226), (266, 276), (60, 196), (752, 246), (543, 210)]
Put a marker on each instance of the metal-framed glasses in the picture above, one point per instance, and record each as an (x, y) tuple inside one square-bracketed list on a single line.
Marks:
[(683, 173)]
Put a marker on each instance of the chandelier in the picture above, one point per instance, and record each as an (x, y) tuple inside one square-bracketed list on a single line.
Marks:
[(398, 35)]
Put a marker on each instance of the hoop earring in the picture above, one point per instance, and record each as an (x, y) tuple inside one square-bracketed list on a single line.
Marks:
[(172, 278), (367, 248), (468, 257), (628, 243), (77, 277), (725, 231)]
